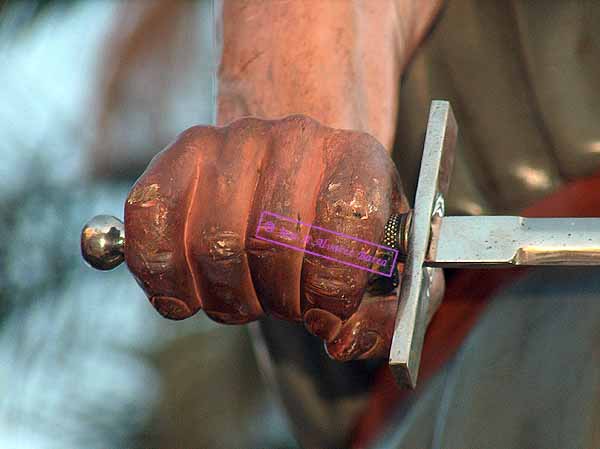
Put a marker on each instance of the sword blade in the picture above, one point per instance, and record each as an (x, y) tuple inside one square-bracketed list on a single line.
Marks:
[(488, 241)]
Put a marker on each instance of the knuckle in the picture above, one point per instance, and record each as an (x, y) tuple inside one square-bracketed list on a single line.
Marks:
[(297, 125), (365, 146), (260, 249), (354, 195), (223, 247), (334, 289), (299, 120), (219, 256), (194, 135), (358, 203), (157, 261), (243, 128), (148, 241), (145, 195)]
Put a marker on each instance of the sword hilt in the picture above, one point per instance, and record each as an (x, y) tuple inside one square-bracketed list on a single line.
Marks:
[(103, 243)]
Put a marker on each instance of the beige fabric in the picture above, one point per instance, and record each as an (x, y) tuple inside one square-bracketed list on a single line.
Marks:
[(527, 376), (523, 80)]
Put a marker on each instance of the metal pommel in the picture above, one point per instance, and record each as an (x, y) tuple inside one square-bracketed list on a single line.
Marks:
[(103, 242)]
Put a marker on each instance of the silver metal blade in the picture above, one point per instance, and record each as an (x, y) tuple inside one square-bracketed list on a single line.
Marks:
[(501, 241)]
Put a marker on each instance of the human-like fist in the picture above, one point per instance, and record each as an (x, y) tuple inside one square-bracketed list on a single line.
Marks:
[(191, 220)]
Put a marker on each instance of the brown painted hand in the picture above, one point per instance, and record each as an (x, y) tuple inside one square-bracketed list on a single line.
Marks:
[(191, 221)]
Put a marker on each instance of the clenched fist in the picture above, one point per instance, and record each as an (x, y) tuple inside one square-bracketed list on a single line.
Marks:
[(191, 220)]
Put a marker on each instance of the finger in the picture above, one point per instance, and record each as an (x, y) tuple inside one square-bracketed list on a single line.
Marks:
[(218, 220), (368, 333), (356, 200), (288, 187), (155, 214)]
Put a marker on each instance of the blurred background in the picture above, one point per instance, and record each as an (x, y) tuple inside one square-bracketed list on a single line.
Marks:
[(90, 91)]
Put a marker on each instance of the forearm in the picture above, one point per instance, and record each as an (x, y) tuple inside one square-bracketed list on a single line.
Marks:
[(337, 61)]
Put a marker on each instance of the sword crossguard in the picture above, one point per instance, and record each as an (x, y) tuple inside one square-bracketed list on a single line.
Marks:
[(416, 288)]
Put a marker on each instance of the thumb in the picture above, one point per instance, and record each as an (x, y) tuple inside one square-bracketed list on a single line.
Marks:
[(368, 332)]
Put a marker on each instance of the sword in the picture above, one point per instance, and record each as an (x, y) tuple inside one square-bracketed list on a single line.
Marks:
[(428, 240)]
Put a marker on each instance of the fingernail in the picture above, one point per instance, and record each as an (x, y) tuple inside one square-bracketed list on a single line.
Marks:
[(322, 323), (171, 308)]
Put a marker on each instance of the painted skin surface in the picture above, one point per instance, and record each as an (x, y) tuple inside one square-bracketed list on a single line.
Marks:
[(190, 221)]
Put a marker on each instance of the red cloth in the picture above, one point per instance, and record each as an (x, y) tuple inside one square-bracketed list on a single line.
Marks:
[(466, 296)]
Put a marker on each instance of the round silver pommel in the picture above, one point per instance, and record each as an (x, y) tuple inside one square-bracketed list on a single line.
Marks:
[(103, 242)]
